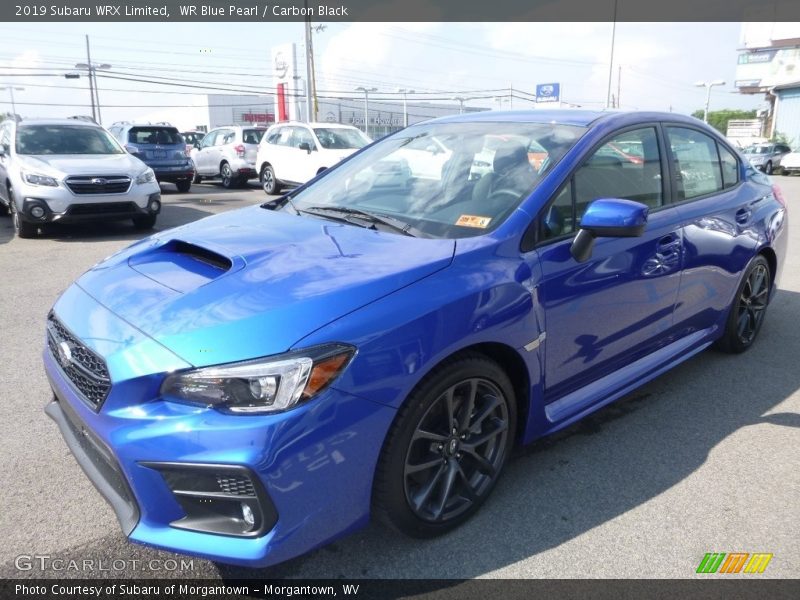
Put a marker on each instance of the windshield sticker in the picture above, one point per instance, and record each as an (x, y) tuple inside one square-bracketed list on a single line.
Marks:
[(473, 221)]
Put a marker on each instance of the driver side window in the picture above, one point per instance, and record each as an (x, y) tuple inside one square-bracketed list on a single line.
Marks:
[(626, 166)]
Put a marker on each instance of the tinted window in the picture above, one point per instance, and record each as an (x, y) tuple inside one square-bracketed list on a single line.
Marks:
[(730, 167), (301, 135), (274, 135), (697, 168), (252, 136), (65, 139), (627, 166), (225, 136), (154, 135)]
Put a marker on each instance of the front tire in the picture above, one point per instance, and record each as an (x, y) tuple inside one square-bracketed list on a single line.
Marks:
[(268, 181), (748, 309), (447, 447), (768, 168), (23, 229)]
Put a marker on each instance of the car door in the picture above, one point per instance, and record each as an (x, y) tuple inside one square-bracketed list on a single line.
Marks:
[(306, 164), (616, 307), (5, 159), (201, 158), (718, 210)]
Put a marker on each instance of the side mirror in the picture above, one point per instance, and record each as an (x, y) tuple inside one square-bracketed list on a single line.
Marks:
[(608, 217), (197, 145), (305, 146)]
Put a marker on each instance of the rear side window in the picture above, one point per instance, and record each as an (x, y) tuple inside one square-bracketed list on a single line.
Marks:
[(154, 135), (696, 162), (730, 167)]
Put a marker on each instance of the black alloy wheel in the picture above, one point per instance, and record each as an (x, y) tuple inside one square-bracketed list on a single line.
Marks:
[(749, 308), (447, 447)]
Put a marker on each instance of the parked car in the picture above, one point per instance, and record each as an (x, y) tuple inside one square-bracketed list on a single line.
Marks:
[(790, 163), (255, 384), (767, 157), (228, 153), (192, 139), (160, 147), (292, 153), (68, 170)]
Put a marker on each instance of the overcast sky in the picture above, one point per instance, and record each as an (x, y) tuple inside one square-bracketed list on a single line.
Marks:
[(660, 62)]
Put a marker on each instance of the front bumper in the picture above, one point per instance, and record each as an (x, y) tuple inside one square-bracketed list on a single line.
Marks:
[(315, 462), (80, 211)]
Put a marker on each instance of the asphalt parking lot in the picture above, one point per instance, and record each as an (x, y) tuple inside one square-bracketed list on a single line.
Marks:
[(704, 459)]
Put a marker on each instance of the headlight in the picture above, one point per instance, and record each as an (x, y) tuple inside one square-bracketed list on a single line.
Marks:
[(265, 385), (146, 176), (36, 179)]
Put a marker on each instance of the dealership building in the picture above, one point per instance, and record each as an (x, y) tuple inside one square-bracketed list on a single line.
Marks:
[(769, 64)]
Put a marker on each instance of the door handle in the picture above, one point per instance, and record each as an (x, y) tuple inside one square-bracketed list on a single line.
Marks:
[(743, 215)]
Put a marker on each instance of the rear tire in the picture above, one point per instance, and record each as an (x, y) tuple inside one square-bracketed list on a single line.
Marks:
[(748, 309), (226, 173), (197, 178), (768, 168), (144, 222), (183, 186), (269, 182), (446, 448)]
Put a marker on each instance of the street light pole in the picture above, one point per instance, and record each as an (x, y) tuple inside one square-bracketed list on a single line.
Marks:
[(708, 85), (366, 105), (11, 89), (405, 93)]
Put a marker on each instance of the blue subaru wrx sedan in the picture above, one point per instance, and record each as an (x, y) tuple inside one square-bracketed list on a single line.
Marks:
[(258, 383)]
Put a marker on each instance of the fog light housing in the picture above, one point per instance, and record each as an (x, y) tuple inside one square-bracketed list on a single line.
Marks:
[(37, 212), (220, 499), (154, 203)]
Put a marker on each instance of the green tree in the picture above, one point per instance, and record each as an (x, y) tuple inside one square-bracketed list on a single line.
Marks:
[(718, 119)]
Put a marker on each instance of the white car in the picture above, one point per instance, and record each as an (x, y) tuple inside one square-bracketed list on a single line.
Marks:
[(292, 153), (68, 170), (790, 164)]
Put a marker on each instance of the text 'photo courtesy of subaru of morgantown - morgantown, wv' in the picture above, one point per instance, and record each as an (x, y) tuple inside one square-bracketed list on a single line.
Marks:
[(420, 308)]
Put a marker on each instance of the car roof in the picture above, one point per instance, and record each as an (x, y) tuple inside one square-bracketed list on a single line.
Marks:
[(565, 116), (315, 124), (78, 122)]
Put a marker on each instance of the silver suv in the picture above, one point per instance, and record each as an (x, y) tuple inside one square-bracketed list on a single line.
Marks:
[(66, 170), (229, 153)]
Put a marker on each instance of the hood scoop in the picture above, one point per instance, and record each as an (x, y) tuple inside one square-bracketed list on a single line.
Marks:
[(182, 266)]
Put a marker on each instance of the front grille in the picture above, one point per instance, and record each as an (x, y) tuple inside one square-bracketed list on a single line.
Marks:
[(87, 371), (111, 184), (102, 208)]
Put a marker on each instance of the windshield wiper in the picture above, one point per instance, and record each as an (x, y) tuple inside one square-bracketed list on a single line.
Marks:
[(373, 218), (280, 202)]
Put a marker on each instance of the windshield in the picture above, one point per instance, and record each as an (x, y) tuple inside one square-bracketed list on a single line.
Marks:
[(154, 135), (759, 150), (445, 180), (65, 139), (335, 138), (252, 136)]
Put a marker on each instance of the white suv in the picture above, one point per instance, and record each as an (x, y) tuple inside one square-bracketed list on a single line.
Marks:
[(228, 153), (66, 170), (293, 153)]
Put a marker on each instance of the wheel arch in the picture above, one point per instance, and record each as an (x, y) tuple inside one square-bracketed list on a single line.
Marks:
[(772, 260)]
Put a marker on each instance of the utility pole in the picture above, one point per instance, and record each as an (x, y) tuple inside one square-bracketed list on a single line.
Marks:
[(308, 64), (619, 84), (316, 29), (708, 85), (611, 61), (11, 89), (92, 69), (91, 82)]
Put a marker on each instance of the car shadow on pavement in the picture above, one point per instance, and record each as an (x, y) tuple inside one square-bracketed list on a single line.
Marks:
[(171, 216), (608, 464)]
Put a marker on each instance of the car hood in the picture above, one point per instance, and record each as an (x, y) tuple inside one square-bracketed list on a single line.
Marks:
[(253, 282), (61, 165)]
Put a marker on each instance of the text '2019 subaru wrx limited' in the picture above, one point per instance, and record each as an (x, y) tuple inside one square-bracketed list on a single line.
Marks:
[(253, 385)]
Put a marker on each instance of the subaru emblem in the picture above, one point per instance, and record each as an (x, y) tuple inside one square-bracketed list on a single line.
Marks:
[(99, 181), (64, 354)]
